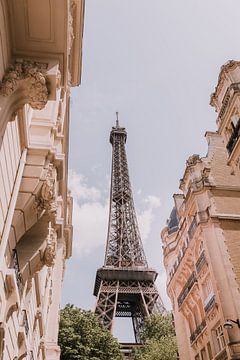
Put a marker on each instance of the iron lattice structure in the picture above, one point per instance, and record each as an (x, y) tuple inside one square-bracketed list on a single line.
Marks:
[(124, 286)]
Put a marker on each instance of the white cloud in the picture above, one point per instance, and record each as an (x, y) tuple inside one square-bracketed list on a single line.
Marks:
[(147, 215), (89, 226), (153, 201), (80, 190), (161, 282), (90, 214)]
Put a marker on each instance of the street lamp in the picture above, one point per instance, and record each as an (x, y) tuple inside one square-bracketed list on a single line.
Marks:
[(229, 323)]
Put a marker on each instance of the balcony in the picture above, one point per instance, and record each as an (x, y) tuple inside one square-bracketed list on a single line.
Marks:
[(198, 331), (187, 288), (210, 303), (201, 262), (25, 322), (234, 137), (15, 266), (222, 355)]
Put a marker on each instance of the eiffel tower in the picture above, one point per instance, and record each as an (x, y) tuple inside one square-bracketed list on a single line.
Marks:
[(124, 286)]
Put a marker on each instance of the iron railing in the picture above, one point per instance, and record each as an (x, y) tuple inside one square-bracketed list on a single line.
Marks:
[(234, 137), (222, 355), (15, 266), (199, 329), (25, 322), (210, 304), (200, 262), (192, 228), (187, 288)]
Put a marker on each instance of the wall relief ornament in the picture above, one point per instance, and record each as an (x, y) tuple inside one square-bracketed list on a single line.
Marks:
[(33, 73), (50, 251), (47, 200)]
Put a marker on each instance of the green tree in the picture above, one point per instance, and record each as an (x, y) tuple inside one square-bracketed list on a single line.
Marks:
[(82, 338), (159, 339)]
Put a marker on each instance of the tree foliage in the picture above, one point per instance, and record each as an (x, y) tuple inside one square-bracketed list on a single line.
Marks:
[(82, 338), (159, 339)]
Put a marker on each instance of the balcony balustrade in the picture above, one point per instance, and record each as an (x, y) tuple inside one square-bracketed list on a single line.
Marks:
[(201, 262), (198, 331), (187, 288), (15, 266), (234, 138)]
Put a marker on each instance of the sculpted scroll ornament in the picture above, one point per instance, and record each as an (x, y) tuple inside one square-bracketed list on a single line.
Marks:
[(36, 86), (51, 247)]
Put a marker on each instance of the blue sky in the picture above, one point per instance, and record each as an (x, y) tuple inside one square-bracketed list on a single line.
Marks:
[(156, 62)]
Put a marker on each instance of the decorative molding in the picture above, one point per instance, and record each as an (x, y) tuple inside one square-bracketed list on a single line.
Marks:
[(47, 200), (230, 65), (193, 160), (51, 247), (31, 72), (71, 37)]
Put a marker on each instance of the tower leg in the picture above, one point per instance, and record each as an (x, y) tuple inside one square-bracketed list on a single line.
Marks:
[(107, 304)]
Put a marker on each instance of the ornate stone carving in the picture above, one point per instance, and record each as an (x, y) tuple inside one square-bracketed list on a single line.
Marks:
[(193, 159), (36, 84), (204, 180), (72, 9), (47, 200), (231, 64), (51, 247)]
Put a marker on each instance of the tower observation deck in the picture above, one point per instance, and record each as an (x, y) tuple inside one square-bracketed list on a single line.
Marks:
[(124, 286)]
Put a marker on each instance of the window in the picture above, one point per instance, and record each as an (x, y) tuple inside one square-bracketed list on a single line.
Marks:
[(219, 338), (235, 133), (204, 354), (207, 290), (209, 351)]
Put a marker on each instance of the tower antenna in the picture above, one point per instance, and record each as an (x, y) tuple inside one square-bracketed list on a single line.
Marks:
[(117, 121)]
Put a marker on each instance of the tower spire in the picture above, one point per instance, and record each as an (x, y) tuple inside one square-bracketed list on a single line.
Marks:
[(124, 286)]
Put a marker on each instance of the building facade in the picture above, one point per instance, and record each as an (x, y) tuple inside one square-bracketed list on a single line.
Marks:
[(40, 60), (201, 243)]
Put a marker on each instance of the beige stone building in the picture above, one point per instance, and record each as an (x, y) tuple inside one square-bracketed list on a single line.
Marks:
[(40, 59), (201, 242)]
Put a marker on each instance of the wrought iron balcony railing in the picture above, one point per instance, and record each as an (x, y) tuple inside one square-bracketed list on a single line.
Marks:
[(15, 266), (210, 304), (200, 262), (198, 331), (234, 137), (25, 322), (187, 288), (192, 228), (222, 355)]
